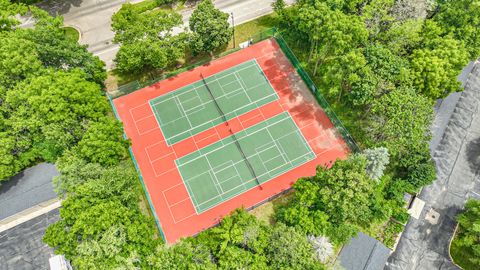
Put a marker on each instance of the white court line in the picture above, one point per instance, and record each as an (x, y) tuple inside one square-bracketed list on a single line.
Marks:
[(237, 109), (279, 146), (209, 136), (220, 117), (244, 87), (212, 173), (179, 104), (148, 155), (265, 75), (169, 208), (240, 137), (173, 94), (253, 179), (310, 155), (153, 104)]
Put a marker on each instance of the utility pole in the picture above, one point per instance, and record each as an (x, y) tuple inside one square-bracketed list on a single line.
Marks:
[(233, 27)]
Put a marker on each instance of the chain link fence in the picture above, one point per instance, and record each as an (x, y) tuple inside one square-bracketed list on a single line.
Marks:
[(136, 85), (313, 88)]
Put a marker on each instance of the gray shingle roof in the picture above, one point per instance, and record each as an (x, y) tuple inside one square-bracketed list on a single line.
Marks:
[(364, 253), (27, 189)]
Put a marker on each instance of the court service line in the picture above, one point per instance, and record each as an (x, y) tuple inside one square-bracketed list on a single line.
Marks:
[(253, 179), (172, 93), (264, 127)]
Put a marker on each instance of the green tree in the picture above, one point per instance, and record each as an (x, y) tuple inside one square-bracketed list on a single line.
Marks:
[(47, 114), (462, 18), (183, 255), (279, 6), (100, 225), (468, 237), (150, 54), (8, 11), (330, 32), (345, 191), (56, 50), (334, 202), (377, 15), (403, 37), (377, 160), (131, 25), (436, 65), (18, 60), (146, 39), (75, 171), (103, 142), (289, 249), (210, 28), (421, 172), (9, 165), (400, 121)]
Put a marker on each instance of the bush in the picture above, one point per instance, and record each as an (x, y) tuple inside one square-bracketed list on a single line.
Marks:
[(421, 174)]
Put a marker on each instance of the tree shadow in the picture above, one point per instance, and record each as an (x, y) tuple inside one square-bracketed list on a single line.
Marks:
[(11, 183), (55, 7), (473, 154)]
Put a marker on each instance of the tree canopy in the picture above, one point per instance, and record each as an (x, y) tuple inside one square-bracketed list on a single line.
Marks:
[(147, 39), (335, 202), (50, 89), (210, 28), (468, 237), (462, 19)]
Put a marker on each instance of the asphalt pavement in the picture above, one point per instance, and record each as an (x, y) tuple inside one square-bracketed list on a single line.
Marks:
[(424, 243)]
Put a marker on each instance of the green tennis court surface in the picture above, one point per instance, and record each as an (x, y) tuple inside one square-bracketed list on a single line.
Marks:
[(190, 110), (219, 172)]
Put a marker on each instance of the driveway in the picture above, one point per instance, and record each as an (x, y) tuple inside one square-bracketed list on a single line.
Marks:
[(93, 19), (424, 243)]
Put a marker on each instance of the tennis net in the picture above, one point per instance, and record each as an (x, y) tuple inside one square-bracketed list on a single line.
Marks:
[(239, 147)]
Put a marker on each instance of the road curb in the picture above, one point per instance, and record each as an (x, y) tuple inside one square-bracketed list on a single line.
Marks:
[(76, 28), (28, 214), (450, 246)]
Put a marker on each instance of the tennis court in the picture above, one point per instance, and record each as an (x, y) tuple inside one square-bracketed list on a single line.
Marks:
[(190, 110), (219, 171), (234, 132)]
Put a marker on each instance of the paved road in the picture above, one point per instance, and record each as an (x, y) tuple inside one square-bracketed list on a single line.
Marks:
[(22, 248), (93, 19), (424, 243), (27, 189)]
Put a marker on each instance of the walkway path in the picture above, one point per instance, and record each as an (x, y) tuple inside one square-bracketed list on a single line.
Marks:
[(424, 243)]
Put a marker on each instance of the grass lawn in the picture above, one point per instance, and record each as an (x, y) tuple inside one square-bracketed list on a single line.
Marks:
[(245, 30), (267, 210), (71, 33), (461, 255)]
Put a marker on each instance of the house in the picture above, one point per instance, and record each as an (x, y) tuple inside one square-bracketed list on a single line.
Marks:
[(363, 253)]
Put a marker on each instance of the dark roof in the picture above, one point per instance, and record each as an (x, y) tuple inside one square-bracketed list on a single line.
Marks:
[(27, 189), (364, 253), (22, 247)]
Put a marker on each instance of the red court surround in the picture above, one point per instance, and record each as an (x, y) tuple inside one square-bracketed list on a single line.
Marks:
[(156, 160)]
